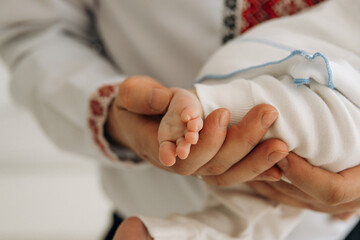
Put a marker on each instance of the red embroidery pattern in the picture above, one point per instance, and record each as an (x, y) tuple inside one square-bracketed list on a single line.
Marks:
[(106, 91), (99, 104), (257, 11), (96, 108)]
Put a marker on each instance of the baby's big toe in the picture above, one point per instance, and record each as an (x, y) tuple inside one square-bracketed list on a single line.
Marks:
[(167, 153)]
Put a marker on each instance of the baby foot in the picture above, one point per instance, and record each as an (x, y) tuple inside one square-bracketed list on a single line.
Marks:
[(180, 126)]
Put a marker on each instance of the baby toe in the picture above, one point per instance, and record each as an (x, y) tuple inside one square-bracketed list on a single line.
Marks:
[(182, 148), (195, 125), (189, 113), (167, 153), (192, 137)]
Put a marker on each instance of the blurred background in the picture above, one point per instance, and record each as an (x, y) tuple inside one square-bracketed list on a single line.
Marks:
[(45, 193)]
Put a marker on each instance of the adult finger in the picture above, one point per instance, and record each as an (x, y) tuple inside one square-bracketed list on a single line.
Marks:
[(264, 157), (241, 139), (288, 194), (330, 188), (211, 139), (266, 190), (292, 191), (273, 175), (143, 95)]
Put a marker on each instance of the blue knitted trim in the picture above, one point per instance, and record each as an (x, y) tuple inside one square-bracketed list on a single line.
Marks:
[(292, 54), (301, 81)]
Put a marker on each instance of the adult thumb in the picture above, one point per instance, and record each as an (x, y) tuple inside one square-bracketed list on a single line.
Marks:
[(143, 95)]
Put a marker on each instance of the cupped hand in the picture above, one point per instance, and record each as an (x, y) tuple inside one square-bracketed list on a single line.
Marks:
[(314, 188), (225, 156), (133, 121), (234, 154)]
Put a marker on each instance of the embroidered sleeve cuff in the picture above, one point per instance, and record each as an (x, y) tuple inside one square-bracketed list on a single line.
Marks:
[(98, 111)]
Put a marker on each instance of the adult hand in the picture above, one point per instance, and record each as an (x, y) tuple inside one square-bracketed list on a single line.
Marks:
[(234, 155), (219, 149), (314, 188), (132, 120)]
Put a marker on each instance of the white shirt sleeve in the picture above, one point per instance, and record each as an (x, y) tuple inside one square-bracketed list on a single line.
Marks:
[(59, 71), (310, 76)]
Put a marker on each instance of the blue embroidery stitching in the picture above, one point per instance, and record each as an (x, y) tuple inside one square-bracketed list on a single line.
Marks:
[(292, 54)]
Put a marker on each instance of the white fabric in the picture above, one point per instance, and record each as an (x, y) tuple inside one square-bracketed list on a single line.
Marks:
[(232, 213), (47, 46), (317, 122)]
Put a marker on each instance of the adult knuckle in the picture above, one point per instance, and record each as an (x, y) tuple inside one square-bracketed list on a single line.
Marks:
[(250, 140)]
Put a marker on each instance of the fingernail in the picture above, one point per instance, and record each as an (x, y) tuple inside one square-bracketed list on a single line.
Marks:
[(159, 99), (283, 164), (277, 156), (224, 120), (268, 119)]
